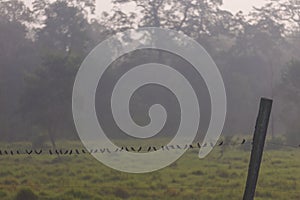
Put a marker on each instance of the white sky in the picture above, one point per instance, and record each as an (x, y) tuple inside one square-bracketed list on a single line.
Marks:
[(232, 5)]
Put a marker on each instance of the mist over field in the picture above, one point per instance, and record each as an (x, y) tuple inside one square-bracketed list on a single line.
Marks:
[(43, 44)]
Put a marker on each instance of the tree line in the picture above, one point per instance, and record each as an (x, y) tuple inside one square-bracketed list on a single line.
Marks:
[(42, 47)]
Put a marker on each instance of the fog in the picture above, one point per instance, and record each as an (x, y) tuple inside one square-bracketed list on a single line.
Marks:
[(255, 53)]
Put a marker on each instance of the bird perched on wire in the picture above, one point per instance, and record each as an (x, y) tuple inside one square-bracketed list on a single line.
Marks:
[(243, 142)]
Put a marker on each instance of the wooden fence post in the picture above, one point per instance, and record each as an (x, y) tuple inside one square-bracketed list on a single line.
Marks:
[(258, 147)]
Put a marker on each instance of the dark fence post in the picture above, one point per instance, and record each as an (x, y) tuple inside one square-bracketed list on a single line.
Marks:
[(258, 147)]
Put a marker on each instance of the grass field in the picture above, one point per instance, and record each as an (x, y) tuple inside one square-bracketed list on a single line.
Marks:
[(74, 177)]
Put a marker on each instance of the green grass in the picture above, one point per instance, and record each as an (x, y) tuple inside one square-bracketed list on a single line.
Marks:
[(213, 178)]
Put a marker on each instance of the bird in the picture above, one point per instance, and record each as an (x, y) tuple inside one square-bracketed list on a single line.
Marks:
[(102, 150), (38, 152), (29, 152), (243, 142), (108, 151), (199, 146), (133, 149), (221, 143)]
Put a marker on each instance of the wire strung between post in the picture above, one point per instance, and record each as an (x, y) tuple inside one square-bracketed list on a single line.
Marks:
[(139, 149)]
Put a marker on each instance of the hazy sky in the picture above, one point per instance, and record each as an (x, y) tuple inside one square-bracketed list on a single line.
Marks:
[(233, 5)]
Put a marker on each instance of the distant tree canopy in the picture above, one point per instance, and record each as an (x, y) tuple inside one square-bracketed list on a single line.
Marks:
[(41, 49)]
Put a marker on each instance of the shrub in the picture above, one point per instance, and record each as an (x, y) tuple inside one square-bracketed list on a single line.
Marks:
[(39, 138), (222, 173), (26, 194), (122, 193), (198, 173), (275, 143)]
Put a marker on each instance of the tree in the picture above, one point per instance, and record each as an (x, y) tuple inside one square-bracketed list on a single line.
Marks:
[(194, 18), (290, 97), (17, 54), (15, 11), (286, 11), (252, 66), (47, 98), (64, 36), (64, 27)]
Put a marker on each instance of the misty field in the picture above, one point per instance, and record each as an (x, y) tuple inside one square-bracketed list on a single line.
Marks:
[(49, 177)]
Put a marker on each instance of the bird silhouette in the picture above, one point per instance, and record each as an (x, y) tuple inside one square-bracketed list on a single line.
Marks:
[(29, 152), (243, 142), (38, 152), (133, 149), (102, 150), (198, 144)]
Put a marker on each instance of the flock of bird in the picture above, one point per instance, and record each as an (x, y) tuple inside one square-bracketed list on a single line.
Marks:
[(107, 150), (124, 149)]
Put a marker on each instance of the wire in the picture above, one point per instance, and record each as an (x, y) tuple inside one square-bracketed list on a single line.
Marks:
[(140, 149)]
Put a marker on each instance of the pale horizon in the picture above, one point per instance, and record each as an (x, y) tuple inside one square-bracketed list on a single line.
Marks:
[(231, 5)]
